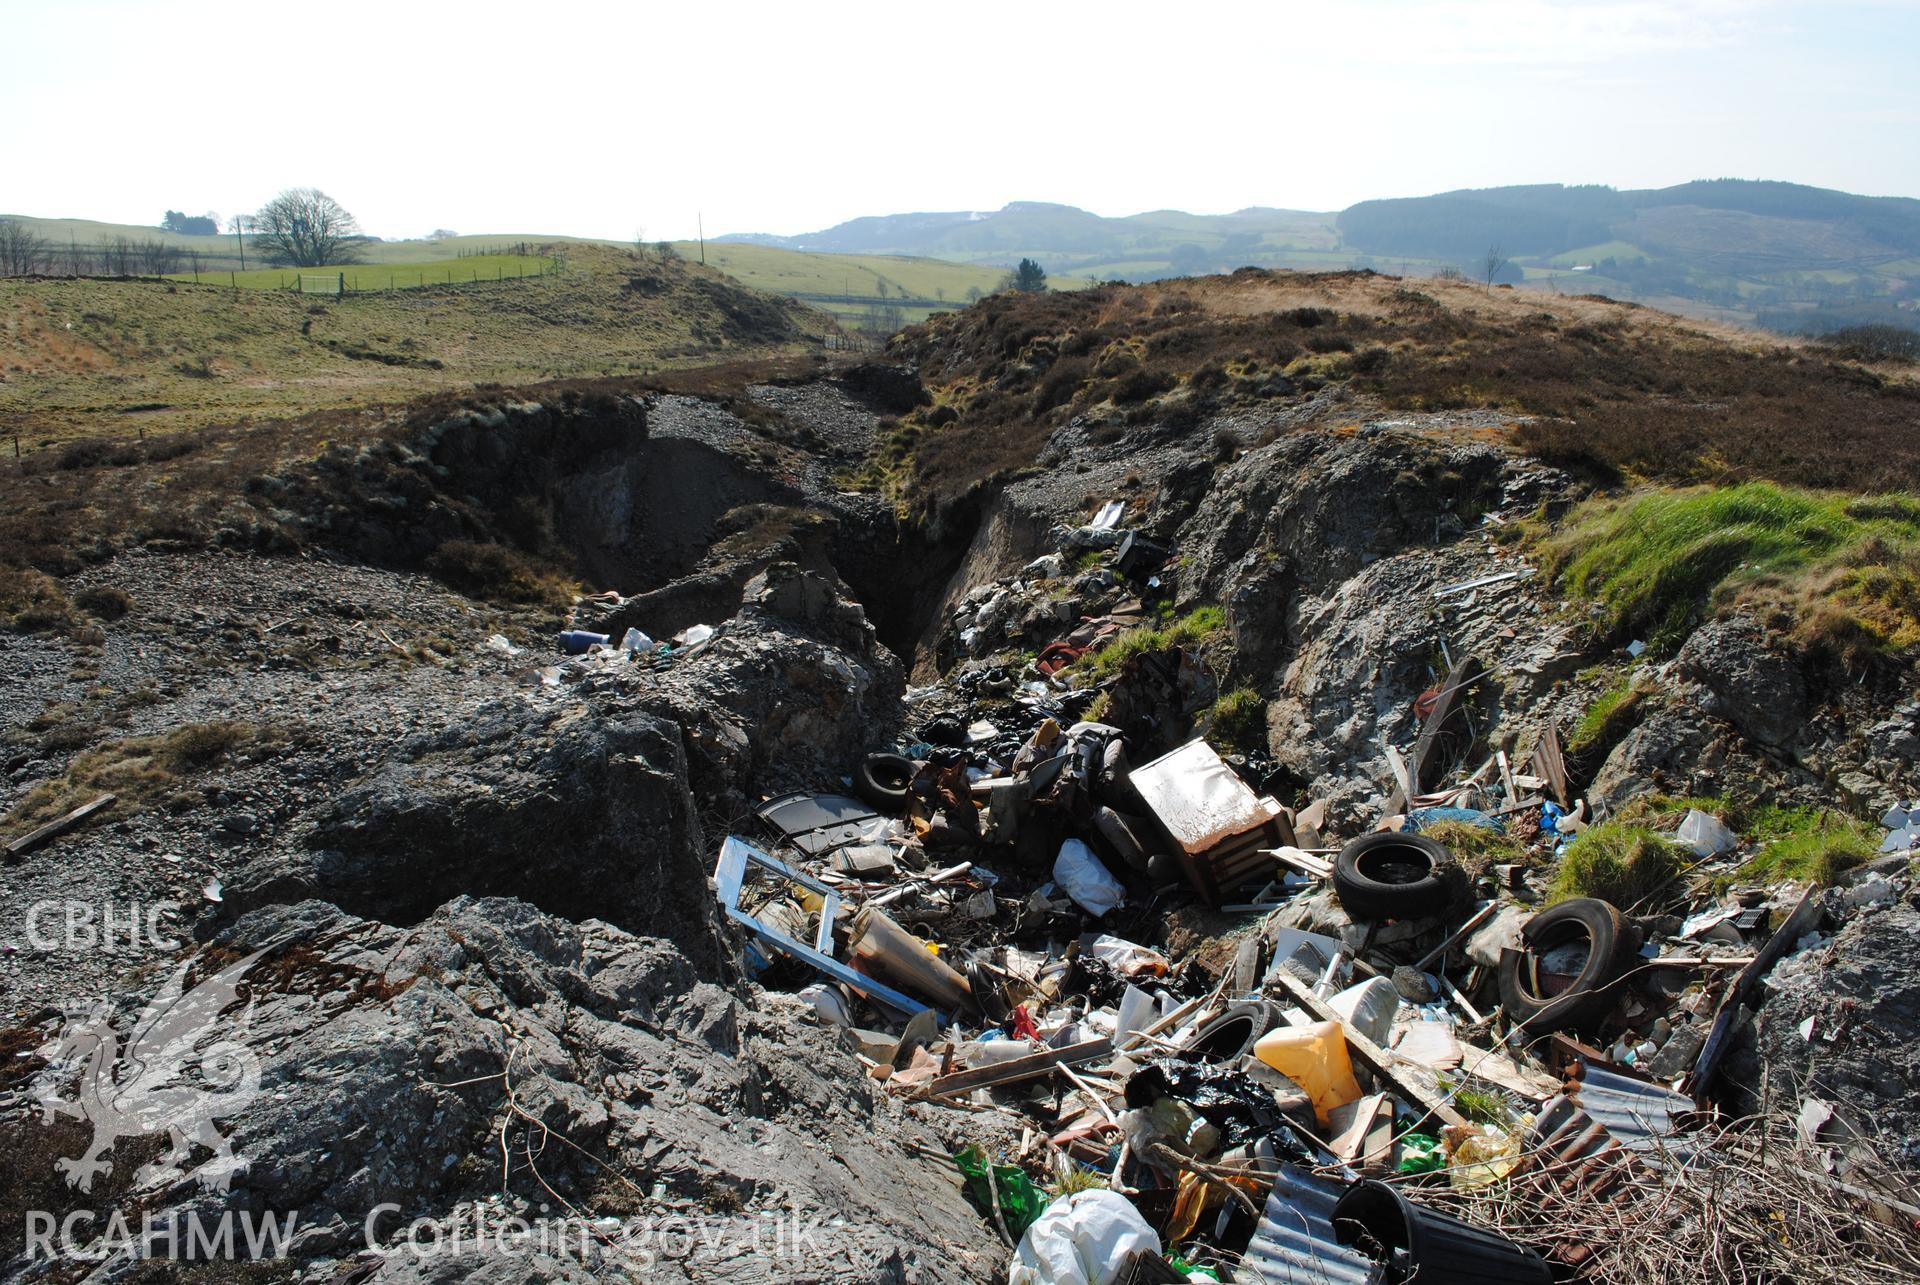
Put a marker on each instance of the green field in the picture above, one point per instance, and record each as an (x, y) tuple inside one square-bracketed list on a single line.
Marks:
[(362, 277), (800, 272), (86, 357)]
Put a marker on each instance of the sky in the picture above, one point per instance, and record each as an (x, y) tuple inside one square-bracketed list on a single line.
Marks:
[(631, 117)]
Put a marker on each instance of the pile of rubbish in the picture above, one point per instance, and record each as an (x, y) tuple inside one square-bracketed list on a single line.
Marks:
[(1355, 1038)]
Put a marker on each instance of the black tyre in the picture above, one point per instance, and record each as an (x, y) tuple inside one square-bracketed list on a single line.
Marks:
[(882, 780), (1540, 1005), (1396, 876), (1233, 1033)]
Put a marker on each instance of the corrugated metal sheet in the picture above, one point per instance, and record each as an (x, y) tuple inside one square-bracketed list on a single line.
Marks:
[(1294, 1244), (1634, 1112)]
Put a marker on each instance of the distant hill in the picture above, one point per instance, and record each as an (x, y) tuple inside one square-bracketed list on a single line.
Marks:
[(1072, 241), (1781, 254)]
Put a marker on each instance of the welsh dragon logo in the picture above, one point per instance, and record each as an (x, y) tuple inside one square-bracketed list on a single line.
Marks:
[(181, 1067)]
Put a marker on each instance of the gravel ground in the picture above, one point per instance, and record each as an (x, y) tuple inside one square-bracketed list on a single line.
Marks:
[(333, 663)]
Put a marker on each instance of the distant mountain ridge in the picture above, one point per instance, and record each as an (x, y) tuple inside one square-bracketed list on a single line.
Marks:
[(1783, 254)]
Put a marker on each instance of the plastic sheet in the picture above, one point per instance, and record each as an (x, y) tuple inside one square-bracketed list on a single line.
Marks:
[(1020, 1204), (1084, 1239), (1243, 1109)]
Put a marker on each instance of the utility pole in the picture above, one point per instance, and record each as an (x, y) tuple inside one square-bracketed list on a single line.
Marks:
[(239, 226), (700, 222)]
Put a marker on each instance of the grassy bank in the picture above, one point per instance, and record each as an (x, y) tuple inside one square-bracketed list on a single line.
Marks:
[(1844, 568)]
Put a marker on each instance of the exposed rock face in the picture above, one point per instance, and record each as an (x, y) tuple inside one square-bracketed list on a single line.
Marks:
[(395, 1065), (584, 810), (585, 806), (1862, 993), (1731, 672)]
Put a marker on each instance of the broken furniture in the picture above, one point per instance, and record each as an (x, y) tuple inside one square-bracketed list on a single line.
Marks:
[(736, 857), (1219, 828), (818, 823)]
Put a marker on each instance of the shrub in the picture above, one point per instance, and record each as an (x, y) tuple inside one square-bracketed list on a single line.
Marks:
[(108, 602), (1630, 865), (487, 570), (141, 770), (31, 601)]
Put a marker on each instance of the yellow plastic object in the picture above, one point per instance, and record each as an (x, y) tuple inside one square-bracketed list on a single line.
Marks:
[(1480, 1155), (1315, 1058)]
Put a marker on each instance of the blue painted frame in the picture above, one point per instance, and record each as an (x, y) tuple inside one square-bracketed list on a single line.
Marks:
[(730, 875)]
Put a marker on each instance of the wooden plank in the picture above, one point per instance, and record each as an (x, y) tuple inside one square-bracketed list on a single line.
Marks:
[(1401, 777), (1464, 674), (1030, 1067), (1365, 1051), (1359, 1133), (1550, 761), (1304, 862), (1720, 1037), (59, 825)]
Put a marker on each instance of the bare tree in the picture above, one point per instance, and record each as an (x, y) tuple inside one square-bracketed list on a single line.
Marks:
[(307, 228), (22, 251), (157, 258), (1492, 266), (117, 257)]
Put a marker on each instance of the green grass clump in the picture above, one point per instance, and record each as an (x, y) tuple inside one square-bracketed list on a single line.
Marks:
[(1606, 719), (1659, 561), (1815, 845), (1196, 629), (1482, 1105), (1629, 864), (1078, 1178), (1239, 718), (1476, 846)]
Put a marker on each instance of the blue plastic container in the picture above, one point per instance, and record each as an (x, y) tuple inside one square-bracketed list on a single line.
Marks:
[(576, 641)]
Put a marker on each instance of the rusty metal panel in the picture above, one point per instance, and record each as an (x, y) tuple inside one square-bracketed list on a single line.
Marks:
[(1294, 1243), (1634, 1112)]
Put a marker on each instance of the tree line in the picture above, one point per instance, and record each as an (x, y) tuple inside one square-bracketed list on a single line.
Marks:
[(301, 227), (25, 253)]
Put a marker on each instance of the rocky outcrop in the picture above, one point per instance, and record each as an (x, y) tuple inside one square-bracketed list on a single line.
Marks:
[(1730, 670), (496, 1061), (582, 809), (1842, 1024)]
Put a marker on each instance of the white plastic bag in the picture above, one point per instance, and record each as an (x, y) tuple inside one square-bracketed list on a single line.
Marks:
[(633, 640), (1705, 834), (1129, 959), (1088, 882), (1084, 1239)]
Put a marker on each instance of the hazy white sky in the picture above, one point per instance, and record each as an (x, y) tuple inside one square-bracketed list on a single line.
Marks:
[(592, 118)]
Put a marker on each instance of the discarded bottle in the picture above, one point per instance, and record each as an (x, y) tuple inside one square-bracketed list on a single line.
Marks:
[(575, 642), (1315, 1058)]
